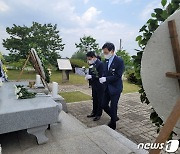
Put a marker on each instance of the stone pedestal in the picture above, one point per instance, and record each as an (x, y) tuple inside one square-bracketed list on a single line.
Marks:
[(65, 76), (61, 100), (33, 115)]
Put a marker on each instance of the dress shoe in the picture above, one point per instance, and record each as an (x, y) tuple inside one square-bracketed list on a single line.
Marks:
[(91, 115), (112, 125), (96, 118)]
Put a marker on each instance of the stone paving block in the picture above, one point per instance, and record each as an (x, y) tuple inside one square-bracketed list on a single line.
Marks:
[(133, 118), (110, 147), (27, 141), (65, 127), (80, 145), (50, 148)]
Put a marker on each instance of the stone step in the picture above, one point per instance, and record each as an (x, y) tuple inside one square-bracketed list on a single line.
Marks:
[(110, 140), (70, 136)]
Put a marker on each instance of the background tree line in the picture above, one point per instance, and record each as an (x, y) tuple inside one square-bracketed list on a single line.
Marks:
[(45, 38)]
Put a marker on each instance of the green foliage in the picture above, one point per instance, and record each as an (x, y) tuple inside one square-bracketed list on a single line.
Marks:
[(75, 96), (78, 63), (22, 93), (4, 67), (19, 64), (7, 58), (44, 38), (157, 17), (79, 55), (88, 43), (164, 2), (47, 75), (126, 57), (129, 69), (2, 58), (130, 75)]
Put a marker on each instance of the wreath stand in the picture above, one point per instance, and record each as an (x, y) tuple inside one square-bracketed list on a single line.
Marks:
[(33, 59), (175, 114)]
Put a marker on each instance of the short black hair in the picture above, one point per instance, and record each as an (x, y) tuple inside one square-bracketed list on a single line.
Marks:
[(91, 54), (110, 46)]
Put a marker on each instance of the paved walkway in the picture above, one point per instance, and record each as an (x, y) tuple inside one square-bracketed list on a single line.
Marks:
[(134, 118), (69, 88)]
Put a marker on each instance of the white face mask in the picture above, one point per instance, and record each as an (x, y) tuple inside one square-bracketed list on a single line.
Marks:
[(91, 61), (108, 56)]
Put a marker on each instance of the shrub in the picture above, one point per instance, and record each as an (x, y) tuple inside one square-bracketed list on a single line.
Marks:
[(19, 64), (130, 75), (78, 63), (79, 55)]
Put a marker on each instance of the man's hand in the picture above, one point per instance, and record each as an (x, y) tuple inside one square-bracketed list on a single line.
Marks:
[(102, 80), (87, 77)]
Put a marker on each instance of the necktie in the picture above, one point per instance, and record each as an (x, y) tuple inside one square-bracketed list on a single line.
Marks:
[(107, 62)]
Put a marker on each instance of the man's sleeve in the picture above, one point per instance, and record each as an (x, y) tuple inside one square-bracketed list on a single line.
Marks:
[(118, 72)]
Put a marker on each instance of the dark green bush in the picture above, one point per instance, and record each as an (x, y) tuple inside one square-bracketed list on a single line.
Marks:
[(130, 75), (78, 63)]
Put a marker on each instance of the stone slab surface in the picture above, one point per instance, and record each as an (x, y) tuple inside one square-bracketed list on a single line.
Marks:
[(17, 114), (68, 137)]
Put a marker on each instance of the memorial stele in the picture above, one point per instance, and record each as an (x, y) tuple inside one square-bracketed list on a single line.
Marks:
[(157, 60)]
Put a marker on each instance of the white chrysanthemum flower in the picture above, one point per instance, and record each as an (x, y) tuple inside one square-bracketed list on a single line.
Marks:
[(20, 94), (18, 90), (83, 67)]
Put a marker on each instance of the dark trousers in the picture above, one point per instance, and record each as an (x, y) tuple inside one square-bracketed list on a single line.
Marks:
[(97, 94), (111, 109)]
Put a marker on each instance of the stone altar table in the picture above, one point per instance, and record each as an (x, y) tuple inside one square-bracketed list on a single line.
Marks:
[(34, 114)]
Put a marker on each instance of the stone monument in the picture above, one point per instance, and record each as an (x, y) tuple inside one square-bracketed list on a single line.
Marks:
[(64, 65), (157, 60)]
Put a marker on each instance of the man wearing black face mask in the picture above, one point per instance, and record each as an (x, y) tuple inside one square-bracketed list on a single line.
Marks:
[(95, 72), (112, 81)]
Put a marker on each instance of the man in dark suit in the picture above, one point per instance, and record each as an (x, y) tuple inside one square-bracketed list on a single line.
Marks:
[(112, 81), (95, 72)]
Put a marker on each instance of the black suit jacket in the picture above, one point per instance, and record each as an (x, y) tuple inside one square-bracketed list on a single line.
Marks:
[(96, 72), (114, 75)]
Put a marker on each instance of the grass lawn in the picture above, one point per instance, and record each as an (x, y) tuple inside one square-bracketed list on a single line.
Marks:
[(75, 96), (56, 76), (129, 87), (74, 79), (14, 74), (78, 96)]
